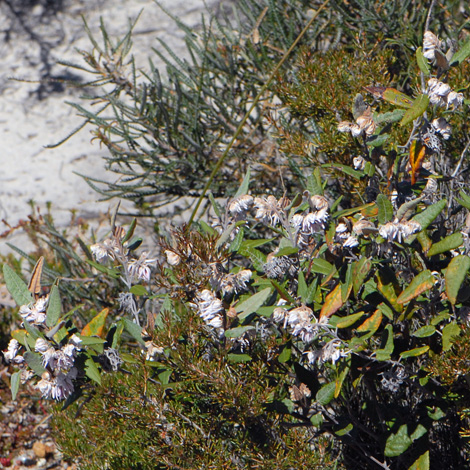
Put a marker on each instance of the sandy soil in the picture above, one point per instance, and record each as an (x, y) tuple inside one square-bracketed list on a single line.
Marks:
[(34, 115)]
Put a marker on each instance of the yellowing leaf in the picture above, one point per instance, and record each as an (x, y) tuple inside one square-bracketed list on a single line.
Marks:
[(372, 323), (420, 283), (455, 275), (96, 325), (332, 303), (417, 154)]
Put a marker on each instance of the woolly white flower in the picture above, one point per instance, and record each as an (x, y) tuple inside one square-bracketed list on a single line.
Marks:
[(240, 206), (172, 258), (209, 308), (57, 387), (430, 44), (441, 126), (351, 242), (267, 210), (330, 352), (297, 221), (140, 268), (11, 355), (35, 313)]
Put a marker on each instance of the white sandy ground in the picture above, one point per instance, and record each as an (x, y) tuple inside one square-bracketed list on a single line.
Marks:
[(29, 171)]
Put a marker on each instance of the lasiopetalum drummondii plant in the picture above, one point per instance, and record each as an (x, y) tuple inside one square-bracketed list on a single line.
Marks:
[(288, 330)]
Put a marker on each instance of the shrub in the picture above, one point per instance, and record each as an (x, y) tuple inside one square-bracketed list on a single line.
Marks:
[(288, 330)]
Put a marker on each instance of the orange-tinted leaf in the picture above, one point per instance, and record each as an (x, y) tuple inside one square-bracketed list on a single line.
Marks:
[(332, 303), (96, 325), (361, 269), (371, 324), (420, 283), (370, 210), (34, 285), (417, 154)]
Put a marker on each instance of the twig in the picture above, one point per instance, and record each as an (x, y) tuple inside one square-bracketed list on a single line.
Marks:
[(457, 168)]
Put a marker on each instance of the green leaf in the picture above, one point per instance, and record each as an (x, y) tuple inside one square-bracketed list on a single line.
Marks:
[(164, 376), (455, 275), (237, 241), (302, 287), (390, 116), (239, 358), (420, 283), (217, 209), (435, 413), (424, 331), (326, 393), (345, 169), (285, 354), (321, 266), (348, 321), (384, 353), (461, 54), (420, 431), (91, 340), (34, 361), (396, 97), (16, 286), (130, 231), (15, 381), (286, 251), (449, 332), (420, 104), (91, 371), (422, 62), (114, 273), (414, 352), (375, 141), (448, 243), (421, 463), (314, 186), (243, 189), (340, 378), (34, 333), (239, 331), (252, 304), (465, 201), (361, 270), (256, 257), (95, 327), (426, 217), (134, 330), (386, 310), (139, 290), (385, 209), (398, 443), (54, 307)]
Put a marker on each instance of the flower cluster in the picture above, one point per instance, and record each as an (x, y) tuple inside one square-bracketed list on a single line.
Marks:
[(330, 352), (35, 312), (210, 308), (440, 94), (364, 125), (231, 283), (57, 380), (398, 231)]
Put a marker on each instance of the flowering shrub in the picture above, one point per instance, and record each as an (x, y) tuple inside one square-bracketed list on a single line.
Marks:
[(290, 329)]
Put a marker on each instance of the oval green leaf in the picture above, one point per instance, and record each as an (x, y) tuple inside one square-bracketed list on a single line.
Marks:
[(426, 217), (414, 352), (398, 443), (326, 393), (420, 105), (422, 62), (425, 331), (385, 209), (253, 303), (448, 243), (16, 286), (54, 307)]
